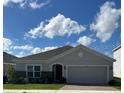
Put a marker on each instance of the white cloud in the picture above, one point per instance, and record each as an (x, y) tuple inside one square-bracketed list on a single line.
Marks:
[(56, 26), (48, 48), (6, 2), (24, 47), (35, 5), (23, 50), (74, 44), (21, 54), (106, 21), (36, 32), (16, 50), (26, 3), (7, 44), (36, 50), (85, 40)]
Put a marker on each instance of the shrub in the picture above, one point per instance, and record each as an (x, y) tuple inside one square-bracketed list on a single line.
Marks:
[(115, 82), (13, 76)]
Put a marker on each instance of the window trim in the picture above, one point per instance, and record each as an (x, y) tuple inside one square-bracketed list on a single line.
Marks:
[(26, 69)]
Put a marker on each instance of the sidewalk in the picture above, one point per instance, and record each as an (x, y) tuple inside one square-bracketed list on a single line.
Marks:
[(58, 91)]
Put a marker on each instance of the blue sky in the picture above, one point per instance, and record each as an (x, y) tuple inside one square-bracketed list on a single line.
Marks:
[(33, 26)]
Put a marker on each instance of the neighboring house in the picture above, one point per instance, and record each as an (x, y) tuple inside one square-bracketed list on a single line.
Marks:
[(117, 64), (7, 60), (76, 65)]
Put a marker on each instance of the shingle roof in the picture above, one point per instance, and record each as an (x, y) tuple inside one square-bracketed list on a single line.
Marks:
[(48, 54), (7, 58)]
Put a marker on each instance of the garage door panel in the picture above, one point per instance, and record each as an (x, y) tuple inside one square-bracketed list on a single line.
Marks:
[(87, 75)]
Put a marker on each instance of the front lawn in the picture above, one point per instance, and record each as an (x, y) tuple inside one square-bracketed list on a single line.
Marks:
[(33, 86), (116, 83)]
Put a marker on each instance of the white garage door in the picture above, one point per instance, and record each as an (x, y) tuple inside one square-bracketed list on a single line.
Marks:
[(87, 74)]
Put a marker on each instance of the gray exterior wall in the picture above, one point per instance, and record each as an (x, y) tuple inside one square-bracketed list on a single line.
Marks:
[(22, 66)]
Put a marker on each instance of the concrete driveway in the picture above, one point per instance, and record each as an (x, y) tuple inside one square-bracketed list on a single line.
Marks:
[(87, 89), (82, 87)]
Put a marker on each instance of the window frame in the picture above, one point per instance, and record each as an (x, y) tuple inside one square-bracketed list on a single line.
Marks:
[(36, 71), (33, 70), (30, 71)]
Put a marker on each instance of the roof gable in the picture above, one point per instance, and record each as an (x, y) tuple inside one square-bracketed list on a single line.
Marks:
[(97, 53)]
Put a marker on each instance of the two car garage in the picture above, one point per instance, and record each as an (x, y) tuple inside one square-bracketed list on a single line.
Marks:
[(87, 74)]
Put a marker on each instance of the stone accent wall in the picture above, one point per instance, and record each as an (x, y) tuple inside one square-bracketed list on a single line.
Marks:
[(21, 73), (47, 74)]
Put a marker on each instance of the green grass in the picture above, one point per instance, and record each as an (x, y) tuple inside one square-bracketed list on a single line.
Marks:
[(33, 86), (116, 83)]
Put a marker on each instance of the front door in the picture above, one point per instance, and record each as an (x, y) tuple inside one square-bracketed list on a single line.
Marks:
[(57, 72)]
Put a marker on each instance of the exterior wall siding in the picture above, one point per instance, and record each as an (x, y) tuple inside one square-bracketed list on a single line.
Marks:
[(22, 66), (117, 64)]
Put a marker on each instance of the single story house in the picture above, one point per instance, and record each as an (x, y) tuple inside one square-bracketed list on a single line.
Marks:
[(75, 65), (117, 64)]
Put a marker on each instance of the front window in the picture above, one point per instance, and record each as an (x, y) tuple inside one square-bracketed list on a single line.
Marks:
[(33, 71)]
